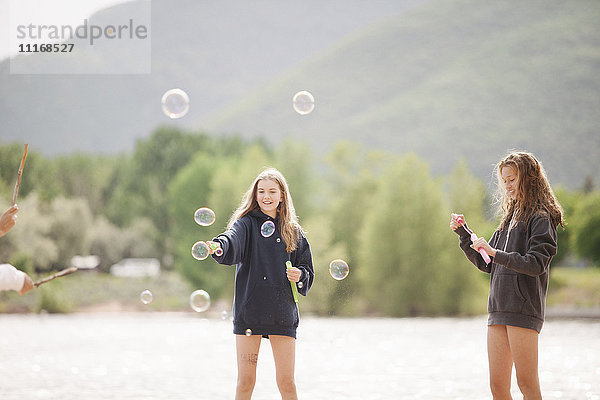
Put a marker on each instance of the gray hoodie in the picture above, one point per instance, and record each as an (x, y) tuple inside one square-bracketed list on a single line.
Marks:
[(519, 271)]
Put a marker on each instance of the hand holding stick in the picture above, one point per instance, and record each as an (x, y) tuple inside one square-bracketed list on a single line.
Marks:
[(63, 272), (8, 219), (288, 265), (461, 221)]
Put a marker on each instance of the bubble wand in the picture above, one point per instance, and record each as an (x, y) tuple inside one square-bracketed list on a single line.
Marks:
[(215, 248), (201, 250), (18, 183), (288, 265), (484, 254)]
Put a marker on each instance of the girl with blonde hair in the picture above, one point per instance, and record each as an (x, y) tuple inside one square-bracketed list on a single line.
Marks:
[(262, 235)]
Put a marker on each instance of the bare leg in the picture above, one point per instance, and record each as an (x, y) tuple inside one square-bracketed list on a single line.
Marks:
[(284, 353), (524, 349), (500, 362), (247, 358)]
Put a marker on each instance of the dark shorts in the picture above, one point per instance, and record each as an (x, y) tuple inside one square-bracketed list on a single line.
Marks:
[(264, 331)]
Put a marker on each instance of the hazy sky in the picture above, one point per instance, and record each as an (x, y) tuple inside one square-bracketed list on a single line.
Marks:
[(56, 12)]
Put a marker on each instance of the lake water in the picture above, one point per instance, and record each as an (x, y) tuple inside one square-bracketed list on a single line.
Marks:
[(158, 356)]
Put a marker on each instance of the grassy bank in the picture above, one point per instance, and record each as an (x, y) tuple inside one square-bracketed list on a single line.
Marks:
[(91, 291), (574, 288)]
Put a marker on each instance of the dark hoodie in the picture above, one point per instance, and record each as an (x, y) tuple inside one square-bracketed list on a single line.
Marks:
[(519, 271), (263, 299)]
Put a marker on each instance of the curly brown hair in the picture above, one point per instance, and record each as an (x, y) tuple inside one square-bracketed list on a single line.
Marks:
[(534, 192)]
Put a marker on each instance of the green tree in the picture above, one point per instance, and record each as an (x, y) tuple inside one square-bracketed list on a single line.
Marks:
[(140, 185), (351, 186), (84, 176), (31, 236), (585, 234), (34, 171), (70, 223), (190, 190), (466, 287), (328, 296), (405, 255), (568, 200)]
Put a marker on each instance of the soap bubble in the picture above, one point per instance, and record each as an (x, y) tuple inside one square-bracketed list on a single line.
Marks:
[(175, 103), (200, 250), (224, 315), (204, 216), (304, 102), (300, 285), (248, 332), (146, 297), (199, 300), (338, 269), (267, 229)]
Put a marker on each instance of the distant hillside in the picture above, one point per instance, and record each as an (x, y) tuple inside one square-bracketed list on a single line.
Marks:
[(450, 79), (443, 78), (217, 51)]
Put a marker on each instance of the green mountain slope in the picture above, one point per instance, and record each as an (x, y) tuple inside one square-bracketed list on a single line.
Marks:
[(217, 51), (450, 79)]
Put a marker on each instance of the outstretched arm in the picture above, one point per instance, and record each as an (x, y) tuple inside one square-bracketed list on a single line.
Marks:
[(13, 279), (233, 243)]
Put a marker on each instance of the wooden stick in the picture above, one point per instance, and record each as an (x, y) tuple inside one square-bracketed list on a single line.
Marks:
[(16, 191), (63, 272)]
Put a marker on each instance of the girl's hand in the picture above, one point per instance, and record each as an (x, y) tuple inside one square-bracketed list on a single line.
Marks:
[(293, 274), (8, 219), (214, 247), (454, 221), (481, 242), (27, 285)]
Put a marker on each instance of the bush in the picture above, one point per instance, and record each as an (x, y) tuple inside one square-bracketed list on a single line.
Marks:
[(53, 300), (586, 235)]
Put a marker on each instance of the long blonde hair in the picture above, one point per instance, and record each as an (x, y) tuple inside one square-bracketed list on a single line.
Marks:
[(288, 221), (534, 193)]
